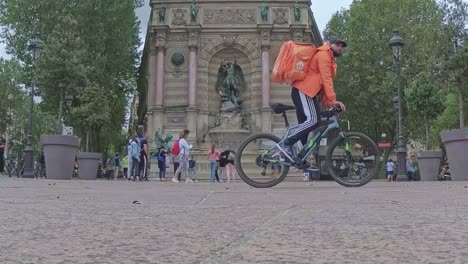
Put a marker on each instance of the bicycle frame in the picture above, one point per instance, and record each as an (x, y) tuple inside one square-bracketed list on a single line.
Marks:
[(314, 142)]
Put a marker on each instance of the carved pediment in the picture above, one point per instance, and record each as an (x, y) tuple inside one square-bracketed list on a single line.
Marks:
[(230, 16)]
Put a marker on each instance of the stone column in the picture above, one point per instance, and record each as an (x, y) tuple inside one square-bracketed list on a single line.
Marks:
[(158, 107), (193, 31), (265, 39)]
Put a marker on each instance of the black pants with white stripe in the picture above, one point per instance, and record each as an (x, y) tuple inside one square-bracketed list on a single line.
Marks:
[(308, 117)]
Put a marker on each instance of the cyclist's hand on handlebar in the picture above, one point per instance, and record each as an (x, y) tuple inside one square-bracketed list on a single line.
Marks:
[(339, 106)]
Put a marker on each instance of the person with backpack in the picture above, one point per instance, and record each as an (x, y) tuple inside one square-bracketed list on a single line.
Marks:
[(183, 157), (135, 155), (192, 169), (144, 154), (162, 163), (315, 79), (175, 154)]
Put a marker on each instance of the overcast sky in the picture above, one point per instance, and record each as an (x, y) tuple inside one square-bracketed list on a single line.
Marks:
[(322, 9)]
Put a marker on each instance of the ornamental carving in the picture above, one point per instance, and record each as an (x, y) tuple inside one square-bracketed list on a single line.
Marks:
[(230, 16), (178, 16), (177, 38), (229, 38), (281, 16), (160, 39)]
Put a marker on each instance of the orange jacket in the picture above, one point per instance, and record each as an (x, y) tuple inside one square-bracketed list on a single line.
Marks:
[(322, 70)]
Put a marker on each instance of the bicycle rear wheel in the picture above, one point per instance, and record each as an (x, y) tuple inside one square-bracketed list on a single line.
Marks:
[(259, 163), (353, 161)]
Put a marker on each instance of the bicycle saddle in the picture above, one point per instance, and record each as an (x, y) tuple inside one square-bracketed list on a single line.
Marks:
[(281, 108)]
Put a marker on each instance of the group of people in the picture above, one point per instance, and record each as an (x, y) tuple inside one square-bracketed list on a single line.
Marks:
[(184, 163), (223, 162), (138, 156), (185, 166), (411, 169)]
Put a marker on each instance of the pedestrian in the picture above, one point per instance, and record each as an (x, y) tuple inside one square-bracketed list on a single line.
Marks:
[(162, 163), (192, 169), (2, 156), (135, 154), (110, 166), (175, 154), (183, 157), (144, 154), (222, 164), (390, 169), (230, 170), (116, 166), (411, 167), (213, 158), (129, 157), (125, 167)]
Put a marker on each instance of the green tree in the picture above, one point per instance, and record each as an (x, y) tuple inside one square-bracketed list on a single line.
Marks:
[(366, 77), (456, 30), (88, 45)]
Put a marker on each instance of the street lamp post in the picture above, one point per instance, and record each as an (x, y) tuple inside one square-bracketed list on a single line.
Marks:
[(28, 171), (396, 43)]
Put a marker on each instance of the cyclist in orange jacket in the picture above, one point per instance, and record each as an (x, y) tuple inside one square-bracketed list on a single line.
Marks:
[(305, 93)]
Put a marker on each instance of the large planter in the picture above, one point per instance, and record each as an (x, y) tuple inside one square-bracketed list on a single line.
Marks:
[(456, 145), (429, 165), (88, 163), (60, 153)]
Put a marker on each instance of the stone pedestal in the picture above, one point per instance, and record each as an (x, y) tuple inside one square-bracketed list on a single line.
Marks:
[(429, 164), (158, 119), (192, 117), (456, 144)]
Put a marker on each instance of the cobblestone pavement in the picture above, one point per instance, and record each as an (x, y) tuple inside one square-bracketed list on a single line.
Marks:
[(45, 221)]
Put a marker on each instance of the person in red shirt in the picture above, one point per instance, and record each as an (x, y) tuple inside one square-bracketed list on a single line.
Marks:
[(305, 94)]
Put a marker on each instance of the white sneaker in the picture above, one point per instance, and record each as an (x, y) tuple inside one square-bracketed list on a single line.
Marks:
[(188, 181), (175, 180)]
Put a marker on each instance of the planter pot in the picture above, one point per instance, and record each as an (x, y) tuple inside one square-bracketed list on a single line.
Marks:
[(88, 163), (429, 164), (456, 144), (60, 153)]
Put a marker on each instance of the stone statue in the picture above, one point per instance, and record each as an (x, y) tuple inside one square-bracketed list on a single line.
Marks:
[(160, 142), (264, 12), (297, 12), (230, 79), (193, 11), (162, 12)]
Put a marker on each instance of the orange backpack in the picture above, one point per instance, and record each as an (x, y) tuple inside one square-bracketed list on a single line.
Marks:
[(293, 62)]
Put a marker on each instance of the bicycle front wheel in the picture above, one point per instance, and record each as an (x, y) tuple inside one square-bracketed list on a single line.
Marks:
[(259, 163), (354, 160)]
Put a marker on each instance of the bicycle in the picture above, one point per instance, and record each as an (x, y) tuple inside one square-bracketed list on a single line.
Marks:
[(352, 158)]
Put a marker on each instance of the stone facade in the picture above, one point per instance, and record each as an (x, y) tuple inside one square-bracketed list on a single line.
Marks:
[(182, 58)]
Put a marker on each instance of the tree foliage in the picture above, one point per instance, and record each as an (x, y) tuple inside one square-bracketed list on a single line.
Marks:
[(366, 75), (88, 50)]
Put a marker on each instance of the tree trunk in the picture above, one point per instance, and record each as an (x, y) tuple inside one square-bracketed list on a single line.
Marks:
[(60, 112), (87, 139), (461, 104)]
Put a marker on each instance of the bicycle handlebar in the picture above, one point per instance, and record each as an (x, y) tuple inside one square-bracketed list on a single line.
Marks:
[(330, 112)]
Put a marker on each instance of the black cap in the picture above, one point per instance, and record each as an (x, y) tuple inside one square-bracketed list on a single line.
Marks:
[(337, 41)]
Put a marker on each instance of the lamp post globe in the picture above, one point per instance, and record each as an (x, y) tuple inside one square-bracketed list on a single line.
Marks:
[(28, 171), (396, 43)]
